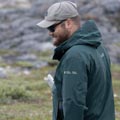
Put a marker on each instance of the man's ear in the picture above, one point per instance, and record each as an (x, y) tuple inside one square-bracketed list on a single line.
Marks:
[(68, 23)]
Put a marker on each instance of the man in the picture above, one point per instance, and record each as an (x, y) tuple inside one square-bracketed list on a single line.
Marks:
[(83, 86)]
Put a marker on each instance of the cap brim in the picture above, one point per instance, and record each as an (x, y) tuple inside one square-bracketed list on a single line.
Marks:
[(46, 24)]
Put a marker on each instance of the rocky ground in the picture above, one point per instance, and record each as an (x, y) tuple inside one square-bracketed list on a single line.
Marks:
[(18, 18)]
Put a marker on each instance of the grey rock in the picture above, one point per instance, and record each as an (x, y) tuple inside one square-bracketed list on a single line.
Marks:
[(114, 52), (18, 29), (111, 6), (39, 64), (32, 45), (3, 73), (27, 57), (86, 8), (47, 46)]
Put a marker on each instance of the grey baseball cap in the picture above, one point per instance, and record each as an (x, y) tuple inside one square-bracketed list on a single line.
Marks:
[(58, 12)]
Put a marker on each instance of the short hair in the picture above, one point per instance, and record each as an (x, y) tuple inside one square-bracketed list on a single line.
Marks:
[(76, 20)]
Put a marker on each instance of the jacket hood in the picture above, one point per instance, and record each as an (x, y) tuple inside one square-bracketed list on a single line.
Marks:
[(88, 35)]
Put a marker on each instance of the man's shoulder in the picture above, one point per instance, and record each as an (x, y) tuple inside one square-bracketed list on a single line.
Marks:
[(79, 49)]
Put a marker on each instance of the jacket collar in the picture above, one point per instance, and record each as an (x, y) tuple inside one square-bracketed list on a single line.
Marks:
[(88, 34)]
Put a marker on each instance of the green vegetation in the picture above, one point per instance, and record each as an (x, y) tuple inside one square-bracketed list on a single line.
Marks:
[(25, 97), (28, 97), (118, 44), (116, 88)]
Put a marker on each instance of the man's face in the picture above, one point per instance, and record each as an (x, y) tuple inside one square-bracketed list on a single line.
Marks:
[(59, 34)]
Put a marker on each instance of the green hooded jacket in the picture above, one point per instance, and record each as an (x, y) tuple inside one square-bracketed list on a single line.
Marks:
[(83, 85)]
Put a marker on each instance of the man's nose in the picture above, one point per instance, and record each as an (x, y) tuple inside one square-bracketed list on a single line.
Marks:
[(50, 33)]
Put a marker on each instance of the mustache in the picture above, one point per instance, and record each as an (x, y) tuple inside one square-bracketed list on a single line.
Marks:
[(54, 36)]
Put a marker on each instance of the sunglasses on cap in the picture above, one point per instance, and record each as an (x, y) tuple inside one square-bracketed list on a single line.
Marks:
[(52, 28)]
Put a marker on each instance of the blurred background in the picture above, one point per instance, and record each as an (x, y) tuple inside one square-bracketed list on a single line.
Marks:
[(26, 54)]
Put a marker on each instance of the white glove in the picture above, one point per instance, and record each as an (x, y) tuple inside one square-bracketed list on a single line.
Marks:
[(49, 79)]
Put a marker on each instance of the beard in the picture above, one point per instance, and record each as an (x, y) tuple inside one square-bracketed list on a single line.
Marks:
[(60, 37)]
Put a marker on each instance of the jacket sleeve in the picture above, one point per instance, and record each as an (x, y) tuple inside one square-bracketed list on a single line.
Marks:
[(74, 88)]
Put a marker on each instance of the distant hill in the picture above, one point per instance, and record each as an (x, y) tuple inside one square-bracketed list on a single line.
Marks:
[(18, 20)]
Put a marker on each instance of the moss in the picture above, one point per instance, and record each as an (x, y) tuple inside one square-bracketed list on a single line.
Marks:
[(115, 68), (118, 44), (25, 64)]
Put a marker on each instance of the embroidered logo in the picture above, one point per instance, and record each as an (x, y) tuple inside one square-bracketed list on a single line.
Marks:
[(70, 72)]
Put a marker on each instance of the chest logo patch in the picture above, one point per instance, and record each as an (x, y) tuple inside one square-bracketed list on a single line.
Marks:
[(70, 72)]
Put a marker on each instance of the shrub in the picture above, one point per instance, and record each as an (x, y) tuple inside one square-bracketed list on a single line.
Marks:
[(9, 94)]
